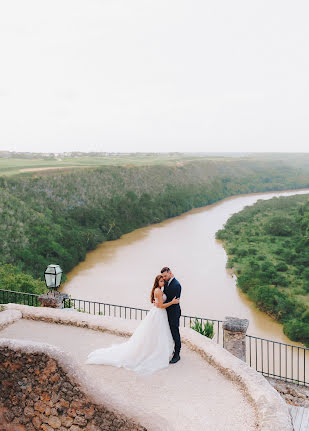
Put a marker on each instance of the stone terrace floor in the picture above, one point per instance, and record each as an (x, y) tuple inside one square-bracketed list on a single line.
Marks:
[(188, 396)]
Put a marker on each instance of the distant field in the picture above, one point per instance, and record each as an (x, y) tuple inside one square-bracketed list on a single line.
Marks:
[(13, 166), (25, 166)]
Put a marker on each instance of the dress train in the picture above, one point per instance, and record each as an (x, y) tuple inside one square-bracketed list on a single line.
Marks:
[(148, 349)]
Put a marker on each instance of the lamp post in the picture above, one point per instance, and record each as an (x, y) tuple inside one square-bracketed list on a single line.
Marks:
[(52, 276), (52, 298)]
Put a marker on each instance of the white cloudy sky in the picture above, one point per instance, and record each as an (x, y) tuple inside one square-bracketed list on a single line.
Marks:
[(160, 75)]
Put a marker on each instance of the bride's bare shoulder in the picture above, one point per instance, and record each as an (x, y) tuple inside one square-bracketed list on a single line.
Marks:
[(158, 291)]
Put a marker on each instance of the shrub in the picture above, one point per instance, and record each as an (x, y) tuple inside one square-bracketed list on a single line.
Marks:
[(305, 317), (274, 302), (230, 263), (306, 274), (282, 267), (279, 226), (306, 287), (221, 234), (297, 331), (13, 279), (245, 281), (207, 330), (254, 266), (241, 252), (231, 250)]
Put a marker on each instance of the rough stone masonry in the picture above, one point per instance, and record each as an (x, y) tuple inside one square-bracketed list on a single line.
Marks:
[(36, 394)]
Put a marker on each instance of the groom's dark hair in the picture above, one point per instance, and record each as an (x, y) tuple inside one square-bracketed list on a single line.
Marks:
[(166, 268)]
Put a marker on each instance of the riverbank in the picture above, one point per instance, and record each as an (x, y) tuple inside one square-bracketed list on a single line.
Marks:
[(267, 248)]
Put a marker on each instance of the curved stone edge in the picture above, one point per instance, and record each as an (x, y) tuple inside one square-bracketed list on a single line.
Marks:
[(272, 412), (76, 318), (9, 316)]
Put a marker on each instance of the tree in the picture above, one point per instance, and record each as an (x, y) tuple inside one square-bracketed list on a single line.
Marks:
[(279, 226)]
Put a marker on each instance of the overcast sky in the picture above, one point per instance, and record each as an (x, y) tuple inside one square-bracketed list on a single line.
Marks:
[(160, 75)]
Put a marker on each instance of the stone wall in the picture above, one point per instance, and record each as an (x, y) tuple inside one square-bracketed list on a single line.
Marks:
[(37, 394), (296, 395)]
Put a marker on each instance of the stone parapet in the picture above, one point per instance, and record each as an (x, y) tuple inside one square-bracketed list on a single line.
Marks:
[(66, 316)]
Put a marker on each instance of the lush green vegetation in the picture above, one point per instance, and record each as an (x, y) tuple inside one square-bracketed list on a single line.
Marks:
[(56, 216), (13, 279), (268, 246), (207, 329)]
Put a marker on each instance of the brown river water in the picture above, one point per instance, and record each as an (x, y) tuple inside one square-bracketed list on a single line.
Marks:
[(122, 271)]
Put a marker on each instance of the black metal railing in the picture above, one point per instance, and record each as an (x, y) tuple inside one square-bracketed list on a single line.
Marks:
[(278, 360), (10, 296), (122, 311), (105, 309), (271, 358)]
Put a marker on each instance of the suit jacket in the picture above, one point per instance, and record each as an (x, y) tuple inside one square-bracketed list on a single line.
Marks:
[(174, 289)]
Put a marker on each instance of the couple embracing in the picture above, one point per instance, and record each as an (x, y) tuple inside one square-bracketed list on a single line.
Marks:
[(156, 341)]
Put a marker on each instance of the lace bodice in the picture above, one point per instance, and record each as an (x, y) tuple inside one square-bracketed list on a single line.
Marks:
[(164, 298)]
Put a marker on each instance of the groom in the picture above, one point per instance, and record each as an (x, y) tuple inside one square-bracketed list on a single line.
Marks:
[(172, 288)]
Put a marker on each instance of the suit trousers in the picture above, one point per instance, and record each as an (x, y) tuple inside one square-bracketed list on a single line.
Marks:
[(174, 325)]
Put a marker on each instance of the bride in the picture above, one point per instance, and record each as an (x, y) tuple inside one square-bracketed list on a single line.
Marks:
[(150, 347)]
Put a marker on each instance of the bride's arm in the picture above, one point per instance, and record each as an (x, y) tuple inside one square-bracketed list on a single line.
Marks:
[(160, 304)]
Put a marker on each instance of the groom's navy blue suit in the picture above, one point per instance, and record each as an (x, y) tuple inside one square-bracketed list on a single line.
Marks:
[(174, 311)]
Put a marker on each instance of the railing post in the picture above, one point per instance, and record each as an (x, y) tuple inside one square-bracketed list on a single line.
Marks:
[(235, 336)]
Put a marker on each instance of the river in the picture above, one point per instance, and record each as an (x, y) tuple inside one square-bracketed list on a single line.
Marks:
[(122, 271)]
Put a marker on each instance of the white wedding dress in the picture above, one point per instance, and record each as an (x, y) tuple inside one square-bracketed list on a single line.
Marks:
[(148, 349)]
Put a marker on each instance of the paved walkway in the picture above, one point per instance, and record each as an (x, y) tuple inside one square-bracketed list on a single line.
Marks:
[(188, 396)]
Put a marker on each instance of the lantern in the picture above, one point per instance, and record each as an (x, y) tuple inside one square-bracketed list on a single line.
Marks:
[(52, 276)]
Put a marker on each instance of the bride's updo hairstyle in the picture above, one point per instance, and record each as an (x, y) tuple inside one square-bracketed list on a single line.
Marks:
[(155, 285)]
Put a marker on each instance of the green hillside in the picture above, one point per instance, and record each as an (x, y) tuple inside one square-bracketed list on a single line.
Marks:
[(58, 215)]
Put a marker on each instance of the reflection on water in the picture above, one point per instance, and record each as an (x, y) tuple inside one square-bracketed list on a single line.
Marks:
[(122, 271)]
